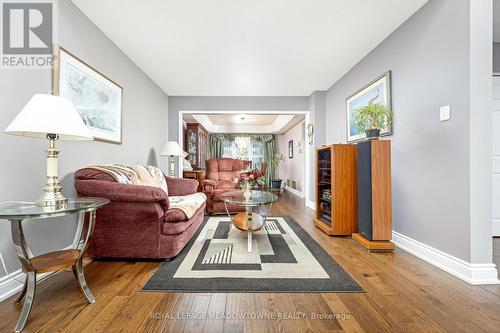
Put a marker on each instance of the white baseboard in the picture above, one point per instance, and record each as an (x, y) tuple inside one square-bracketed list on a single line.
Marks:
[(10, 284), (471, 273), (294, 191), (311, 204), (496, 228)]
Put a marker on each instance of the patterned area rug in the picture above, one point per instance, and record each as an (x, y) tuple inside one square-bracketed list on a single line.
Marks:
[(284, 258)]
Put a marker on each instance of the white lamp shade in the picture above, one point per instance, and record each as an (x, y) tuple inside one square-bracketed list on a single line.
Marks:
[(49, 114), (171, 148)]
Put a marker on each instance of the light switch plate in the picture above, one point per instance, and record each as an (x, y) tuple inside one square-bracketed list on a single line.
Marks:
[(444, 113)]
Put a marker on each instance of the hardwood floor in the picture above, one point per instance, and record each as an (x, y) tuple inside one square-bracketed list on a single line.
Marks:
[(403, 294)]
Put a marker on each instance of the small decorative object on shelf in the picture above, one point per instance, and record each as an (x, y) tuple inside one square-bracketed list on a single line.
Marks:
[(248, 179), (336, 189)]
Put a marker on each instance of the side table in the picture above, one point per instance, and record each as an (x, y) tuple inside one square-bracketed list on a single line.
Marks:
[(16, 212), (199, 175)]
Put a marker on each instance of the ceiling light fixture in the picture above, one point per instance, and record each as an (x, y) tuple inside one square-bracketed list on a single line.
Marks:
[(242, 142)]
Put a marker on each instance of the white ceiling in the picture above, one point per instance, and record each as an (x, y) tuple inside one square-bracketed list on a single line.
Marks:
[(245, 123), (247, 119), (247, 48)]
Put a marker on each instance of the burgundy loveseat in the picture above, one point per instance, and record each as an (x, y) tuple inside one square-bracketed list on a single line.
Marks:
[(138, 222), (219, 180)]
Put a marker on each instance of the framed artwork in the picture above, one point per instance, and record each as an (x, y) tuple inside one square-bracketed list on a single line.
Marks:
[(376, 92), (290, 149), (97, 98)]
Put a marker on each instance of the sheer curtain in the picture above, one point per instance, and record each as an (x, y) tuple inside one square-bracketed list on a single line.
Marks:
[(253, 153), (215, 146), (262, 148)]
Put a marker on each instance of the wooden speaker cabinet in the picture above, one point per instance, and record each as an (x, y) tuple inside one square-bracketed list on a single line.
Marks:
[(374, 195), (336, 189)]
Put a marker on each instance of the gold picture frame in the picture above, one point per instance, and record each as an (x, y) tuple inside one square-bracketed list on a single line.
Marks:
[(97, 98)]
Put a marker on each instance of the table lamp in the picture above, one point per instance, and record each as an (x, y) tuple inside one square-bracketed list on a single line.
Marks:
[(171, 149), (53, 118)]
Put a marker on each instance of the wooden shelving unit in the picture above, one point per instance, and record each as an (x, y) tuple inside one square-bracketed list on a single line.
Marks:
[(336, 206)]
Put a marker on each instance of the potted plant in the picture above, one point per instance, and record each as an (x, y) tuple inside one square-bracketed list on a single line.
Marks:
[(371, 119), (276, 161)]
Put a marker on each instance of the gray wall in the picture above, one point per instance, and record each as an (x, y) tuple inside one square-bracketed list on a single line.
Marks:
[(22, 164), (429, 59), (496, 57), (317, 111)]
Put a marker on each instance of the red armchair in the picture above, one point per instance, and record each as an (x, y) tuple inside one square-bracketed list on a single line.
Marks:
[(220, 174), (138, 222)]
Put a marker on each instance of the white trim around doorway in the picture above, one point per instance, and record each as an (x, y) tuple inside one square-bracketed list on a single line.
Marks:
[(307, 150)]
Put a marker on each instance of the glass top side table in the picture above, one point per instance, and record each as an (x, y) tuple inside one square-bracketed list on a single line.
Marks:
[(16, 212), (250, 220)]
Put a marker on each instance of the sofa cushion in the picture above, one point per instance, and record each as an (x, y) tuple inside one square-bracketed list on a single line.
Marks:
[(226, 184), (176, 222), (174, 228)]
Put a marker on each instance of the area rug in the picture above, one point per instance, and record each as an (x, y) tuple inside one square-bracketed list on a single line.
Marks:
[(284, 259)]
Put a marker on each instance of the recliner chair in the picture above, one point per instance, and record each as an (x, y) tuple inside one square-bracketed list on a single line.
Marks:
[(219, 179)]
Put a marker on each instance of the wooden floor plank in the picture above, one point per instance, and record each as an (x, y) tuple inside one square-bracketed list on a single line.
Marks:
[(403, 294)]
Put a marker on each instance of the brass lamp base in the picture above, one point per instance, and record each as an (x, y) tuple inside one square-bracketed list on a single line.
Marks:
[(52, 196), (171, 172)]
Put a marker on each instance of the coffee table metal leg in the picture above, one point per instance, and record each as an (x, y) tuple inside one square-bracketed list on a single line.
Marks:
[(24, 254), (78, 271), (81, 245), (28, 301)]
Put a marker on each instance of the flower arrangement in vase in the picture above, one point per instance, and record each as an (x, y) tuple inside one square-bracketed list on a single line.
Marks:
[(248, 179)]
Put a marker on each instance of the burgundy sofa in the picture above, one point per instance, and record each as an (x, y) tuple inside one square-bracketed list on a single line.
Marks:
[(138, 222), (219, 178)]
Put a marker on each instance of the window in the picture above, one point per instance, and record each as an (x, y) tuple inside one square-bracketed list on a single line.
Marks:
[(254, 152)]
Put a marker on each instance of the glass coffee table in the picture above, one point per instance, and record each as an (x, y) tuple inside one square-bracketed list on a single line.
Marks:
[(252, 219)]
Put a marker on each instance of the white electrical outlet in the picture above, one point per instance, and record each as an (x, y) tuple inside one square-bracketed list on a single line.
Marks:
[(444, 113)]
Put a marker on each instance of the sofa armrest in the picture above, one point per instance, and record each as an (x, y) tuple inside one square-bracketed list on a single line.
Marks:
[(122, 192), (181, 186), (209, 185)]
